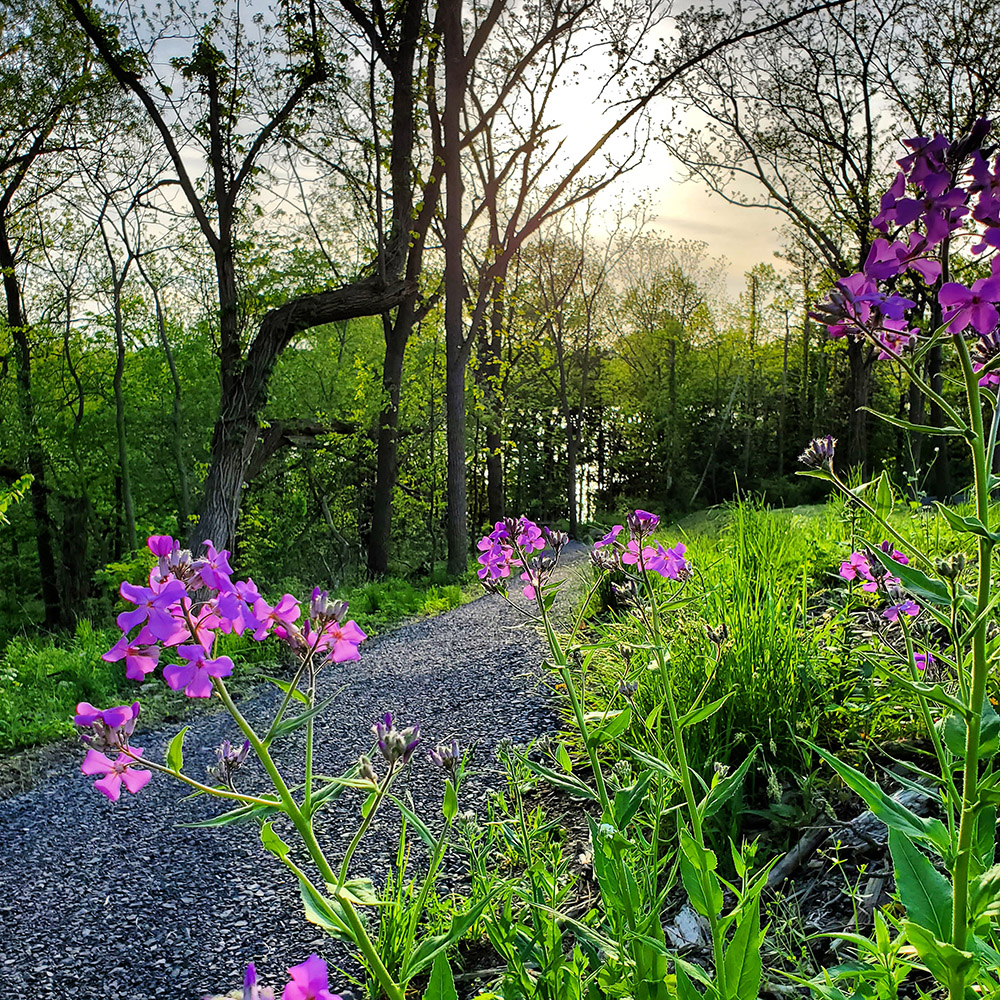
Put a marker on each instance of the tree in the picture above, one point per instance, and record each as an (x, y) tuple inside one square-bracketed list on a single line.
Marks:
[(232, 100)]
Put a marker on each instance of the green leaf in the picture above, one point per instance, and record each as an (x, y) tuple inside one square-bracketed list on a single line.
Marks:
[(923, 890), (967, 525), (892, 813), (948, 431), (648, 760), (423, 830), (442, 983), (628, 800), (359, 891), (742, 957), (428, 949), (941, 958), (272, 842), (954, 732), (722, 791), (287, 726), (706, 711), (175, 751), (286, 687), (984, 894), (562, 755), (917, 583), (615, 724), (450, 805), (695, 863), (240, 815), (319, 911), (883, 496), (564, 782)]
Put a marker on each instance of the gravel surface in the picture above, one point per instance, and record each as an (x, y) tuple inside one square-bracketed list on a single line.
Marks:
[(116, 901)]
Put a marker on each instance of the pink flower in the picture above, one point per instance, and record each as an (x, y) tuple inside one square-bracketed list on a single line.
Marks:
[(284, 612), (140, 654), (309, 981), (116, 772), (923, 660), (609, 538), (343, 641), (856, 566), (152, 607), (196, 675)]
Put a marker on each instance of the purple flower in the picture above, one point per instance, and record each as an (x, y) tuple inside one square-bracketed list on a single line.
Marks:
[(309, 981), (214, 568), (285, 612), (447, 757), (236, 607), (495, 559), (906, 607), (668, 563), (819, 453), (153, 607), (964, 307), (985, 351), (923, 660), (529, 536), (196, 675), (894, 553), (343, 641), (886, 260), (641, 523), (855, 567), (609, 538), (161, 545), (118, 772), (140, 654)]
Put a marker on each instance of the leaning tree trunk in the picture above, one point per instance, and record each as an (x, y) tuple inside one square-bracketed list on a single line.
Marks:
[(237, 426)]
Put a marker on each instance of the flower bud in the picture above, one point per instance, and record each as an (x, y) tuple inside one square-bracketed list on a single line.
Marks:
[(447, 757), (395, 744), (717, 635), (627, 689), (230, 761), (951, 568), (819, 453), (365, 769)]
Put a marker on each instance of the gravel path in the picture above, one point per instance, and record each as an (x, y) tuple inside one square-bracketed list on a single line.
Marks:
[(115, 901)]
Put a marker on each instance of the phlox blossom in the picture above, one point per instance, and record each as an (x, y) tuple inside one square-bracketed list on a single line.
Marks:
[(118, 772), (906, 607), (140, 654), (196, 675), (309, 981)]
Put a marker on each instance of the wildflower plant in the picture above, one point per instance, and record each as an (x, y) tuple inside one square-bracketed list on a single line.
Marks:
[(937, 614), (174, 626), (628, 831)]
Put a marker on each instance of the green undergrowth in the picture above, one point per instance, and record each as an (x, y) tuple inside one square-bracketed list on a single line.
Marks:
[(42, 678), (767, 625)]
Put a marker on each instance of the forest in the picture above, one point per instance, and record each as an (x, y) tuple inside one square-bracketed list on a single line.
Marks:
[(328, 318), (227, 242)]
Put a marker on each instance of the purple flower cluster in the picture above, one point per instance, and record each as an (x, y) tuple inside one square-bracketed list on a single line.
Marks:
[(861, 566), (188, 601), (170, 614), (514, 544), (396, 745), (941, 188), (610, 552)]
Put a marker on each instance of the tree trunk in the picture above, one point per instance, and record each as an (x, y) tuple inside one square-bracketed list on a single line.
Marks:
[(128, 506), (237, 426), (455, 348), (396, 336), (572, 451), (36, 462)]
